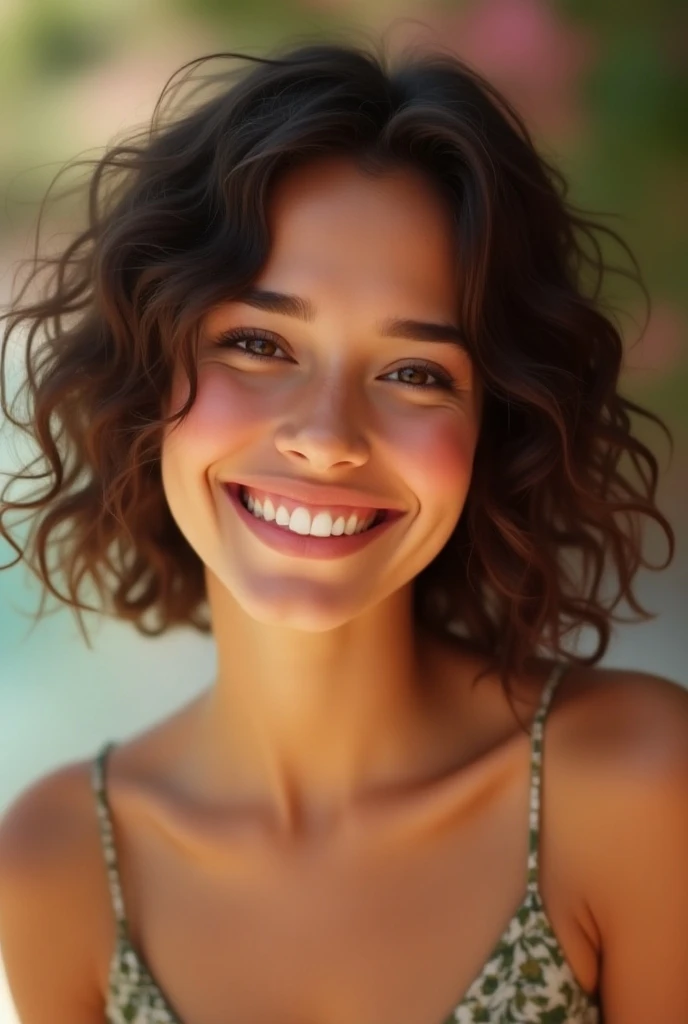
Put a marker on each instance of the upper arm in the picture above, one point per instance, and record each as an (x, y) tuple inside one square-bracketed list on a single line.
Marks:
[(48, 958), (638, 855)]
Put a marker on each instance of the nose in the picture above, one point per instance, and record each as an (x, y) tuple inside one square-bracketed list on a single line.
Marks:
[(325, 430)]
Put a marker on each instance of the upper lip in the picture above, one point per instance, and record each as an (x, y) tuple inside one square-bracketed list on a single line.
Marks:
[(317, 494)]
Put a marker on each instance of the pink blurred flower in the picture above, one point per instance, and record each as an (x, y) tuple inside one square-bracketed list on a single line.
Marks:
[(526, 49), (663, 346)]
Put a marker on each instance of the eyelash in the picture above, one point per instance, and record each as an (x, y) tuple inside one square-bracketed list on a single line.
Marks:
[(230, 339)]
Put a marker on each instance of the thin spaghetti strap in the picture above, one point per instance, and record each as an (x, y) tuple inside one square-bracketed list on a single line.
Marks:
[(536, 775), (107, 836)]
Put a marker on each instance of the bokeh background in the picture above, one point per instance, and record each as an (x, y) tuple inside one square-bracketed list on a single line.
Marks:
[(603, 85)]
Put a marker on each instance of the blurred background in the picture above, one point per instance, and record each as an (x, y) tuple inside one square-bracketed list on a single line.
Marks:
[(603, 85)]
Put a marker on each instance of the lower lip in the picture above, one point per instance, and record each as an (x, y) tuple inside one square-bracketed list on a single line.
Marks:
[(280, 539)]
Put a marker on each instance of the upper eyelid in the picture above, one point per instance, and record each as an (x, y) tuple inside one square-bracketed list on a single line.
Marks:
[(232, 332)]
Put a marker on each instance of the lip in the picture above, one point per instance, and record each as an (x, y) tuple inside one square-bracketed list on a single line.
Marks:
[(317, 494), (300, 546)]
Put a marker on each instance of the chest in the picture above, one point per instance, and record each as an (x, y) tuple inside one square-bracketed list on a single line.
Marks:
[(371, 931)]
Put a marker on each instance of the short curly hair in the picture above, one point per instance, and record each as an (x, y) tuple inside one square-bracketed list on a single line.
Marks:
[(176, 223)]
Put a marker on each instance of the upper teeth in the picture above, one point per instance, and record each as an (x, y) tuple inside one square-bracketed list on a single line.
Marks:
[(301, 520)]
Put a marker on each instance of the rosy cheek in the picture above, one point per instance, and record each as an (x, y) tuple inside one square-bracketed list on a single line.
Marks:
[(220, 417), (219, 407), (438, 458)]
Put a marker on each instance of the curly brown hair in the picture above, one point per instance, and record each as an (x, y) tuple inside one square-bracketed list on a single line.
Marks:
[(176, 224)]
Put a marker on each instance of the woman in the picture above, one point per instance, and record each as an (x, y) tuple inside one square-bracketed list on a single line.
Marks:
[(334, 389)]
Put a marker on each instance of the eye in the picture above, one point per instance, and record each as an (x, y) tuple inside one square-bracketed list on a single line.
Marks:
[(444, 380), (231, 339), (239, 335)]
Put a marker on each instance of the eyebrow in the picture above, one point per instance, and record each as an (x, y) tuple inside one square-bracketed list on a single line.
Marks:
[(392, 327)]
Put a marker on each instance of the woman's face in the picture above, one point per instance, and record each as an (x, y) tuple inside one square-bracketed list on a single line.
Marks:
[(337, 402)]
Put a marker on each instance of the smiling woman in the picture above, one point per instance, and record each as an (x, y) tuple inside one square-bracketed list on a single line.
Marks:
[(322, 377)]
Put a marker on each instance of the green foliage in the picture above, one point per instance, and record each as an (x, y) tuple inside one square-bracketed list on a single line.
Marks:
[(608, 15), (273, 18), (59, 42), (641, 96)]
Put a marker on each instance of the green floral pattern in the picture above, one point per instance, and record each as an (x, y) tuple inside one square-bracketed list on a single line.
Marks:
[(526, 978)]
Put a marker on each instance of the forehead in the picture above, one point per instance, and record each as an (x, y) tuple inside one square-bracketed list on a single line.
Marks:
[(331, 222)]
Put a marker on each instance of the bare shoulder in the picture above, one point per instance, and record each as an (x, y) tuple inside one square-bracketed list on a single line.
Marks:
[(52, 897), (620, 771), (626, 722), (41, 820), (616, 734)]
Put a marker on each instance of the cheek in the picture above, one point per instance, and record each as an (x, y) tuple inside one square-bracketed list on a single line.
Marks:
[(220, 418), (438, 458), (221, 422)]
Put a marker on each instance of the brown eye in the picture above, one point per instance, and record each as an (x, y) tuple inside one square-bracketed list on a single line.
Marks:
[(444, 380), (232, 339)]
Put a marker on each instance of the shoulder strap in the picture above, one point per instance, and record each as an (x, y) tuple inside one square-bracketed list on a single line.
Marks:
[(107, 835), (536, 774)]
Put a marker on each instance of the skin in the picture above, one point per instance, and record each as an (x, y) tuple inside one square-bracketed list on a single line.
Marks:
[(305, 643)]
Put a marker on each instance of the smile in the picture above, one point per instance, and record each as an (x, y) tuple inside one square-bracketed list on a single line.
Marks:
[(309, 534)]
